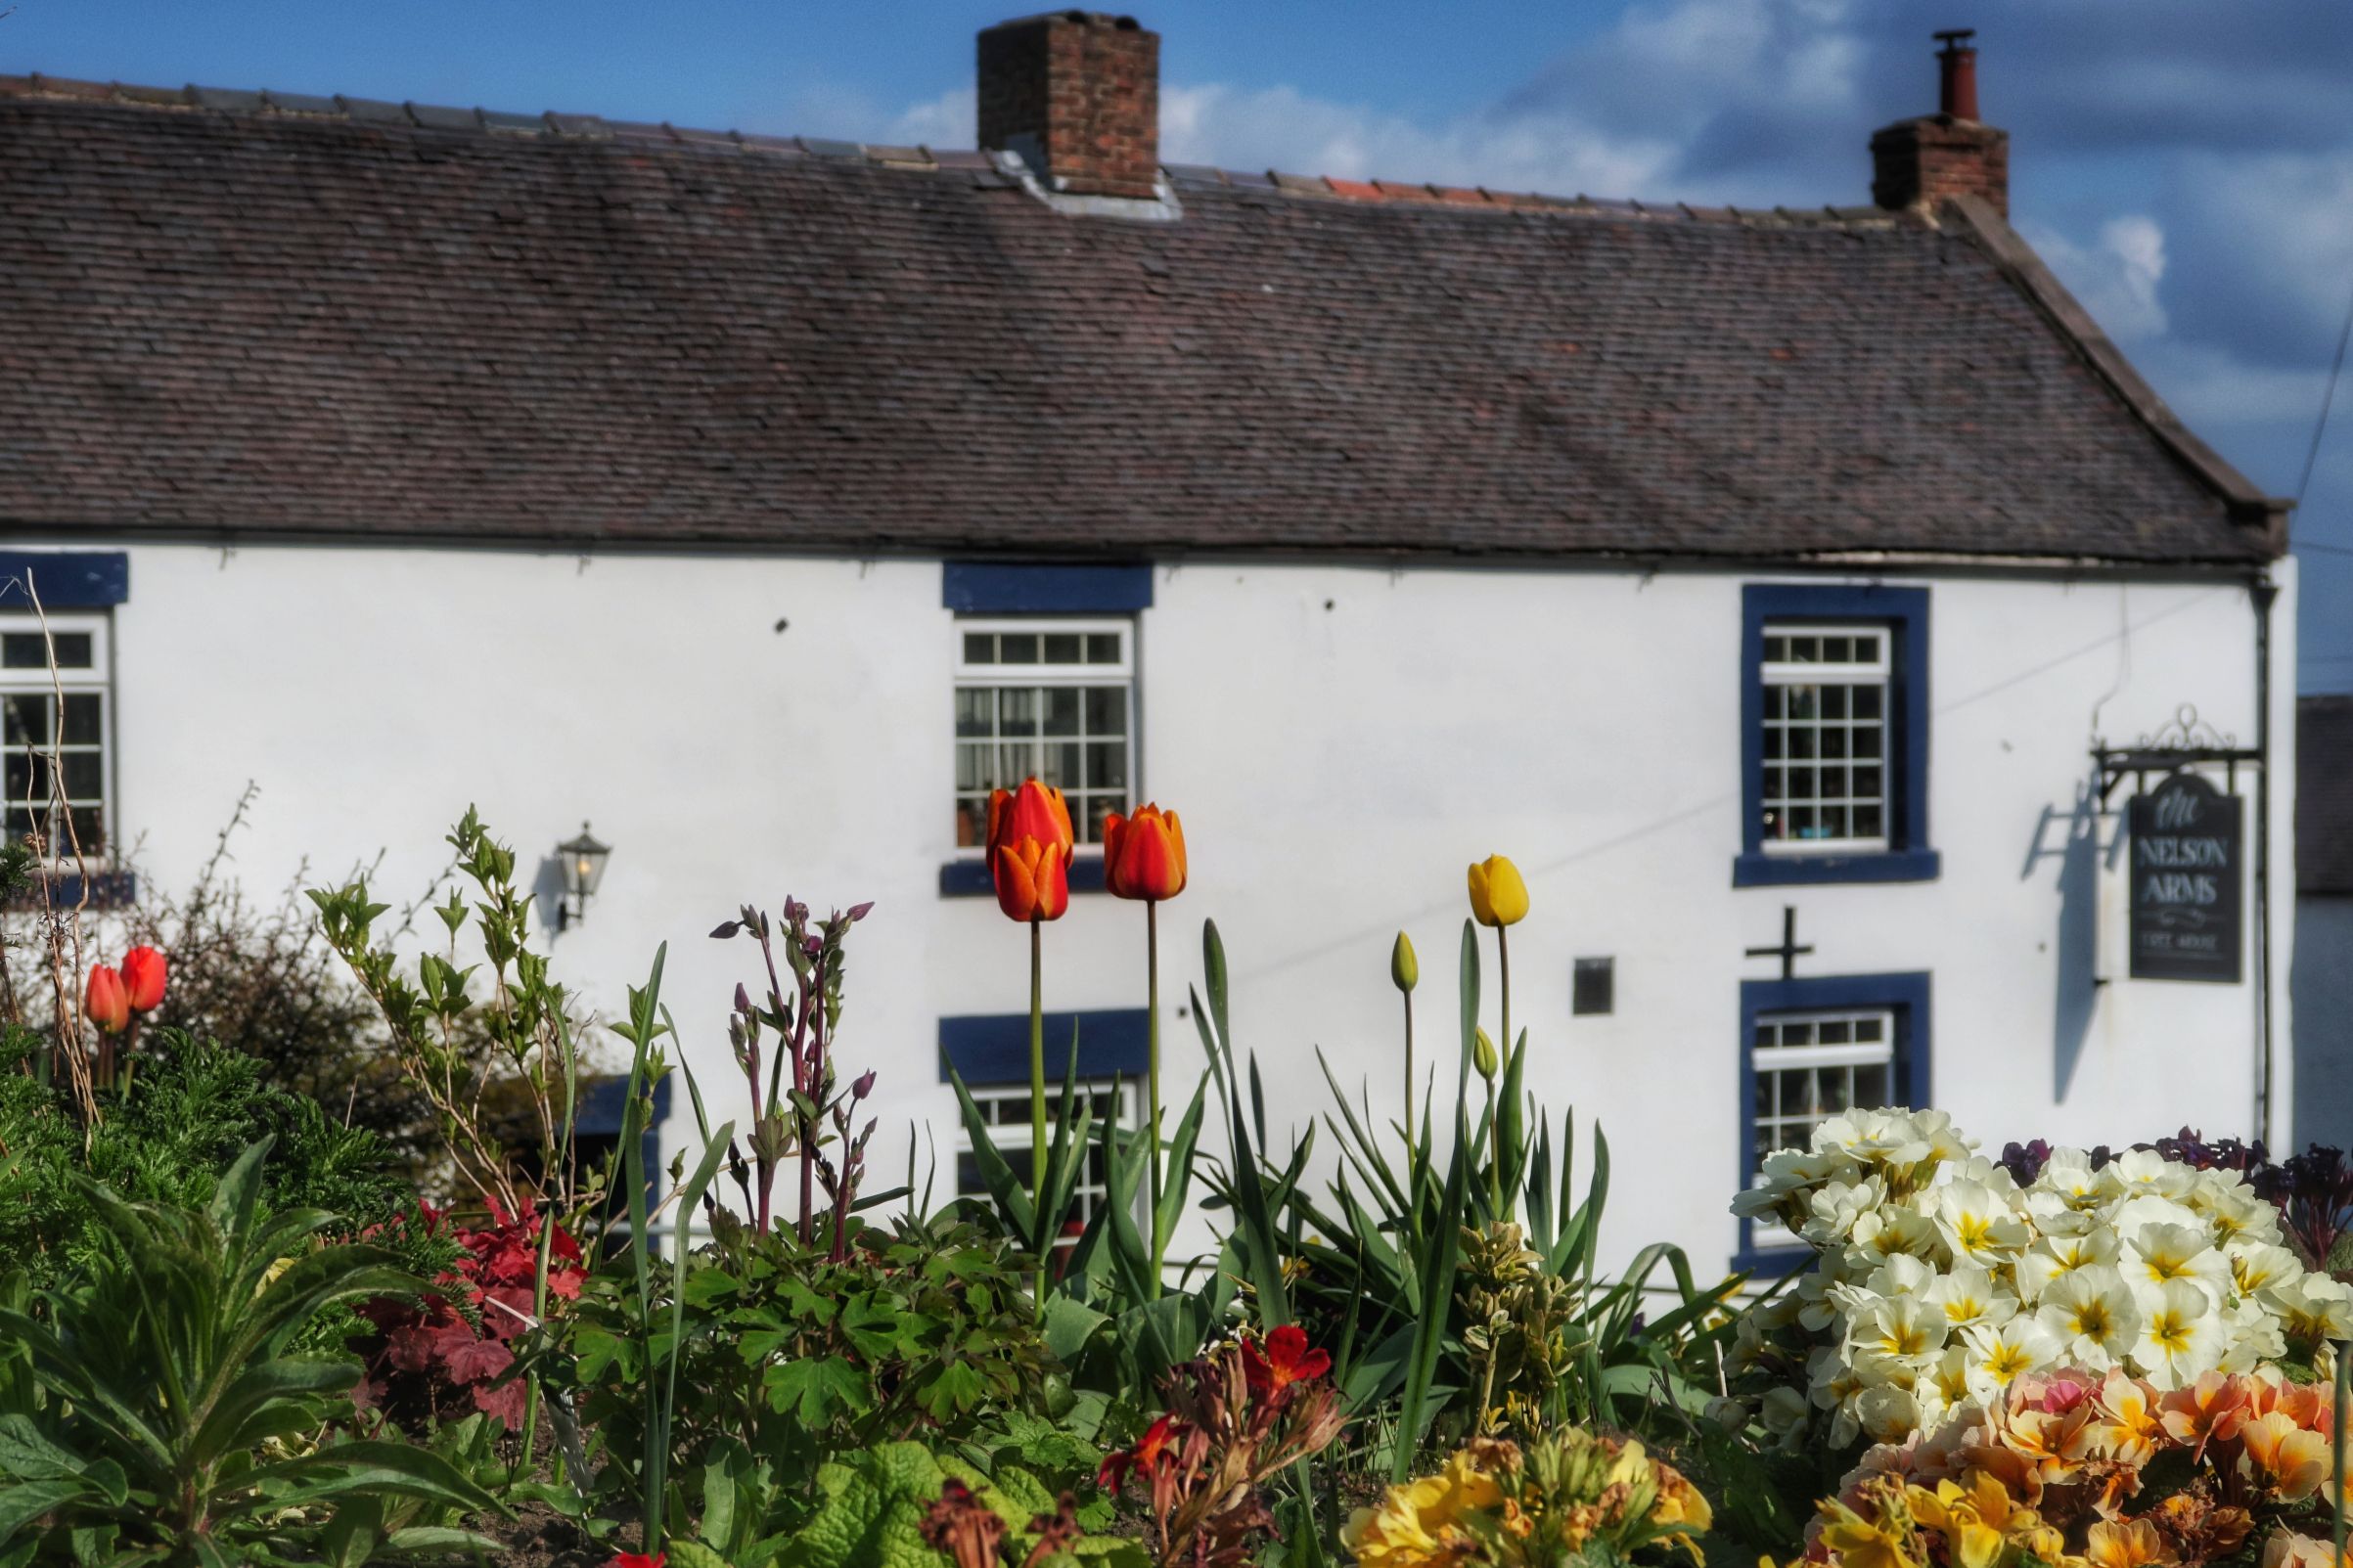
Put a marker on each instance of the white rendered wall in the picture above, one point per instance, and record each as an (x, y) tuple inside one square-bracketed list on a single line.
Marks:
[(1339, 740)]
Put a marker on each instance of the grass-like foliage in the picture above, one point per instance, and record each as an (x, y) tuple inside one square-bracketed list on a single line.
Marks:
[(156, 1409)]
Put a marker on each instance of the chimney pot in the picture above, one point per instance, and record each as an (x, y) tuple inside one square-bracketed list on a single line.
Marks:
[(1957, 64), (1917, 163), (1076, 96)]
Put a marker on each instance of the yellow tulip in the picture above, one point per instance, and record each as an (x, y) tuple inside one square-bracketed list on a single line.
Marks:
[(1482, 1056), (1498, 897)]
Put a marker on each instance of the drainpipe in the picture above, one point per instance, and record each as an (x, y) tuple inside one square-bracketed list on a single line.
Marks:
[(2262, 590)]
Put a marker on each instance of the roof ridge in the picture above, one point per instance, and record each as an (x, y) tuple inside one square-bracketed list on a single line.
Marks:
[(558, 124)]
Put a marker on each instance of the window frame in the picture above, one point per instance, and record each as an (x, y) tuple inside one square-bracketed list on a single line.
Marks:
[(1013, 1137), (1903, 614), (98, 679), (966, 871), (1904, 997)]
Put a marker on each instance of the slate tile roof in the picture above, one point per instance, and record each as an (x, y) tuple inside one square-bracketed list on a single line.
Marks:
[(2324, 794), (272, 315)]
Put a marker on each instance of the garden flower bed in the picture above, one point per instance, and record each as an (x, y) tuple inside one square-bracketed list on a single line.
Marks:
[(241, 1331)]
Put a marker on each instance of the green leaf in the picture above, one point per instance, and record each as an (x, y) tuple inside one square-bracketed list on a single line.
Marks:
[(28, 1455), (27, 1501), (997, 1176), (817, 1388), (872, 1512), (439, 1539), (1068, 1325), (957, 1389), (686, 1553)]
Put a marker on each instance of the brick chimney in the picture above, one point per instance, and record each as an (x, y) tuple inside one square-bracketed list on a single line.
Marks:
[(1076, 95), (1920, 163)]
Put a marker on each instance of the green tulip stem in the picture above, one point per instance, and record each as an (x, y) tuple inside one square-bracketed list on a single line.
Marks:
[(1152, 1065), (1037, 1095), (1409, 1072), (1495, 1148)]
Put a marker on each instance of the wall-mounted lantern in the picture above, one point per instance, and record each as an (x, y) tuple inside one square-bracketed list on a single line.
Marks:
[(583, 861)]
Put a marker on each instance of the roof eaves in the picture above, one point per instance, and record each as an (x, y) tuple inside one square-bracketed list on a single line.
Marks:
[(2246, 502)]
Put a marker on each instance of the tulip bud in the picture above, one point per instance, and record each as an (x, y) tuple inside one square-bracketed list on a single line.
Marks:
[(143, 979), (104, 1002), (1482, 1056), (1498, 897), (1404, 973)]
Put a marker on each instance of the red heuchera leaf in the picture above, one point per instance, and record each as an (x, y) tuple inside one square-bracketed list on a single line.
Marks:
[(505, 1402), (477, 1361), (413, 1349)]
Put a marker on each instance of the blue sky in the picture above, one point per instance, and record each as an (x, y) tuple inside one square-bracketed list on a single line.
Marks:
[(2186, 166)]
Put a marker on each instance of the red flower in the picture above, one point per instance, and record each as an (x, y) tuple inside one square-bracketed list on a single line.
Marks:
[(1286, 1360), (1144, 1458), (143, 978), (637, 1559), (105, 1003), (1144, 855), (1029, 851)]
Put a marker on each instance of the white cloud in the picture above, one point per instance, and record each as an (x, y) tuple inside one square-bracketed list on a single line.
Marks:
[(2115, 277)]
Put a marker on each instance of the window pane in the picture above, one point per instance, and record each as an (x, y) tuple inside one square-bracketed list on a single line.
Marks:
[(22, 651), (86, 775), (1806, 701), (980, 648), (1103, 648), (1061, 710), (1867, 783), (90, 829), (82, 716), (1017, 647), (1867, 702), (1107, 765), (19, 775), (1837, 650), (1018, 710), (1833, 701), (1776, 650), (1833, 741), (1871, 1086), (1107, 710), (1865, 743), (1802, 742), (1776, 701), (1061, 647), (1869, 823), (24, 719), (973, 708), (1061, 765), (1773, 741), (971, 822)]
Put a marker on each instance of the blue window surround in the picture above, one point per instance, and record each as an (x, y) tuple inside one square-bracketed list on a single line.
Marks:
[(1909, 1082), (993, 587), (1904, 613), (108, 890), (599, 1116), (969, 878), (993, 1049), (67, 579)]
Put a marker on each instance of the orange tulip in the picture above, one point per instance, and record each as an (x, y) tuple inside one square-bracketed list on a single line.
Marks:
[(1029, 851), (143, 978), (105, 1003), (1144, 855)]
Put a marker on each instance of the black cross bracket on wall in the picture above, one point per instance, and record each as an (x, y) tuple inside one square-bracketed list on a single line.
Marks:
[(1789, 951)]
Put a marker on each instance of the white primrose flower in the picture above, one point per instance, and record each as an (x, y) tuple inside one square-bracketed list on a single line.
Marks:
[(2313, 1307), (1977, 1224), (2067, 1176), (2055, 1255), (1875, 1137), (1970, 1296), (1898, 1275), (2094, 1316), (2182, 1333), (1836, 1207), (2255, 1337), (2144, 1171), (1894, 1232), (1943, 1385), (2161, 1252), (1887, 1412), (2235, 1214), (2256, 1266), (1904, 1329), (1998, 1355)]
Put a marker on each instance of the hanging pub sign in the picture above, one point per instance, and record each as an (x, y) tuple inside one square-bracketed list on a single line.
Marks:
[(2188, 842)]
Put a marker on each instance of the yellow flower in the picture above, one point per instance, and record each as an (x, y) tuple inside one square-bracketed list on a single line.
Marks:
[(2136, 1544), (1498, 897), (1859, 1542), (1404, 973)]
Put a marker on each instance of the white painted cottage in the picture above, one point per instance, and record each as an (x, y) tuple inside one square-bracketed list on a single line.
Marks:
[(764, 501)]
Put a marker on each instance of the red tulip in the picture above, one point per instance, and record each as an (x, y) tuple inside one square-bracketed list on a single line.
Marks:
[(106, 1004), (638, 1559), (1144, 855), (143, 978), (1029, 851)]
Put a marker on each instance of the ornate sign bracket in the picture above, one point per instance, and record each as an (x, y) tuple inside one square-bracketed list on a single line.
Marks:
[(2186, 741)]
